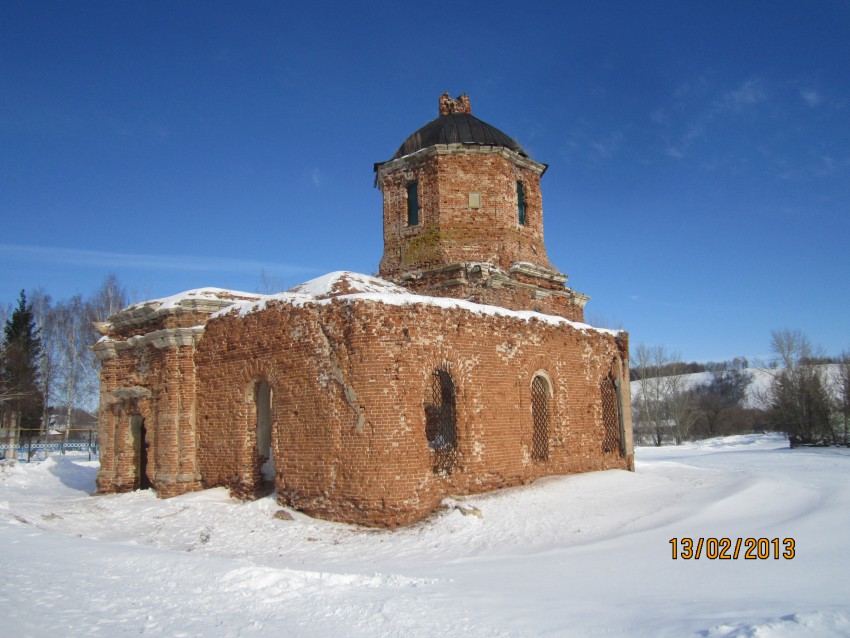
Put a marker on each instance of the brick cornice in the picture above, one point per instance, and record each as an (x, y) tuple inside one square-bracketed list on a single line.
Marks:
[(145, 312), (414, 159)]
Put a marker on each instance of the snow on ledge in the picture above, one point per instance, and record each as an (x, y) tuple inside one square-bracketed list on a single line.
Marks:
[(209, 293), (200, 300), (351, 286)]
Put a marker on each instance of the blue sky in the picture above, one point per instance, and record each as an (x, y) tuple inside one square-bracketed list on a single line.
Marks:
[(699, 152)]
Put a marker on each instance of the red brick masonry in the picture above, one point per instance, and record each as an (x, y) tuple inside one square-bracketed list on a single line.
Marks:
[(375, 400), (351, 382)]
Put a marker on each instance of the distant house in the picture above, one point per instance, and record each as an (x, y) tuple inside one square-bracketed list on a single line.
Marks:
[(464, 366), (80, 424)]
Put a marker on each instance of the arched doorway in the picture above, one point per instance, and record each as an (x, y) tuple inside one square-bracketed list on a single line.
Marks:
[(138, 432), (263, 403)]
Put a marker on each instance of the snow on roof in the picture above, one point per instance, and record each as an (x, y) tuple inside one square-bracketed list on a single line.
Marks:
[(351, 286), (345, 282), (209, 293), (203, 300)]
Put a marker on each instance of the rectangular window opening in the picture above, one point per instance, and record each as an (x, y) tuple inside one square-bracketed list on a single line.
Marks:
[(413, 204), (520, 198)]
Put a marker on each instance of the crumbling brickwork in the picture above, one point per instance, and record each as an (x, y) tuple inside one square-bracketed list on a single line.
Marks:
[(460, 104), (449, 230), (362, 401), (351, 384), (153, 389), (147, 413), (478, 233)]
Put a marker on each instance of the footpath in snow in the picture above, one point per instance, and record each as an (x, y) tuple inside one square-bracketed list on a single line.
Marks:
[(583, 555)]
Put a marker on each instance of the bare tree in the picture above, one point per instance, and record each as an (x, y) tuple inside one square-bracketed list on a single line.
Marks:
[(269, 284), (680, 408), (650, 400), (107, 300), (662, 402), (842, 396), (720, 402), (68, 370), (601, 321), (45, 319), (74, 338), (5, 313), (799, 403)]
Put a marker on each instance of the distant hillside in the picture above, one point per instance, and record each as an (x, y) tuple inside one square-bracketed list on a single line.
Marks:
[(757, 389)]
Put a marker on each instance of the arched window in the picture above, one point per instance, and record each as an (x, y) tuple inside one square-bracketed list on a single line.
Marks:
[(263, 404), (540, 393), (413, 203), (611, 427), (441, 421)]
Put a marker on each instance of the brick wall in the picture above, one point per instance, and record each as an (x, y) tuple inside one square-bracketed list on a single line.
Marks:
[(482, 284), (157, 385), (350, 382), (352, 379), (449, 230), (460, 251)]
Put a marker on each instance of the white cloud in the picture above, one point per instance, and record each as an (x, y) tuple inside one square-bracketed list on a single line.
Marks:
[(747, 94), (660, 116), (316, 177), (811, 97), (674, 151), (827, 166), (750, 92), (607, 146), (103, 259)]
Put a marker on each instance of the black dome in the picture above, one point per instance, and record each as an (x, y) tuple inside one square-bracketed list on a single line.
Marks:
[(457, 128)]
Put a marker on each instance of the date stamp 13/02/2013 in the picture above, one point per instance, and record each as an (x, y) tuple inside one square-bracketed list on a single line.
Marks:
[(724, 548)]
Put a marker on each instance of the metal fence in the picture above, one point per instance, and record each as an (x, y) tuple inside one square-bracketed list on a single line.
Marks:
[(35, 445)]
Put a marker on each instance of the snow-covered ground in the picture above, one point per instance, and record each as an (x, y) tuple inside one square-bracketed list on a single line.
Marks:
[(583, 555)]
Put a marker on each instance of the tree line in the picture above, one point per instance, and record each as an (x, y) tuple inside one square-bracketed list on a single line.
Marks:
[(807, 396), (680, 367), (48, 372)]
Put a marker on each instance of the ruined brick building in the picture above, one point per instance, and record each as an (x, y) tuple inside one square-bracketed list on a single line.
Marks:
[(464, 367)]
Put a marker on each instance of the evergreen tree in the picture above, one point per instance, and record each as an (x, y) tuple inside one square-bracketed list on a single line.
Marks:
[(21, 352)]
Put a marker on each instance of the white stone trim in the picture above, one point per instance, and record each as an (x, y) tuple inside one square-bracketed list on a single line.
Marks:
[(149, 310), (160, 339), (544, 375)]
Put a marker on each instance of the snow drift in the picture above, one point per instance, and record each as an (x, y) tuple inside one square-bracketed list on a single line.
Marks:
[(566, 556)]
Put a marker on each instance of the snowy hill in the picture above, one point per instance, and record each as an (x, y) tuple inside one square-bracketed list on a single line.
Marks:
[(757, 390), (566, 556)]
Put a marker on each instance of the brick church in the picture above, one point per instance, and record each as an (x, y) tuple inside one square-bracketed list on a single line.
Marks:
[(464, 366)]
